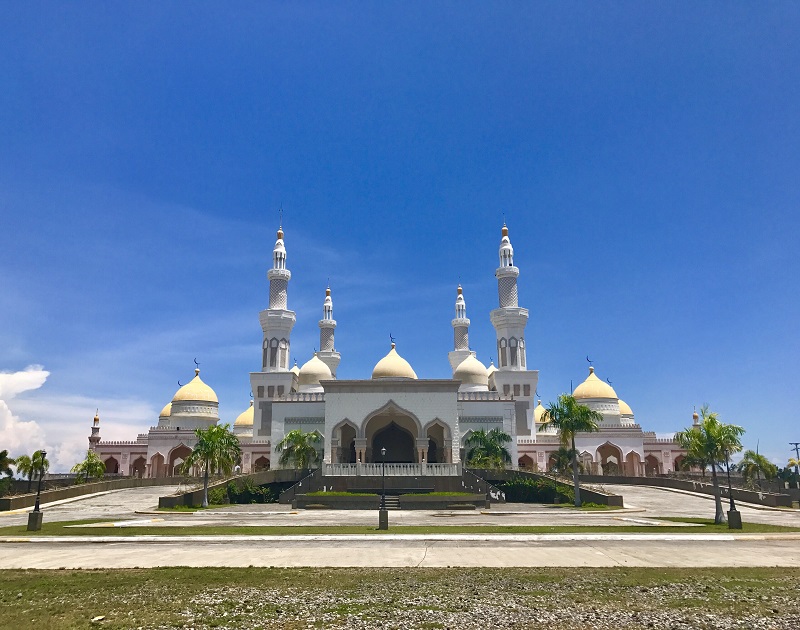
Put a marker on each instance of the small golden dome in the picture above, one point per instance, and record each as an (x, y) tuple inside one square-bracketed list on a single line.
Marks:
[(625, 409), (295, 370), (460, 290), (166, 411), (313, 371), (538, 412), (491, 369), (695, 416), (280, 232), (505, 230), (393, 366), (471, 372), (593, 387), (195, 389), (245, 419)]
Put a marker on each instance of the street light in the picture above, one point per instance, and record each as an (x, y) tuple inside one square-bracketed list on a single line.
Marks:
[(383, 515), (35, 517), (734, 518)]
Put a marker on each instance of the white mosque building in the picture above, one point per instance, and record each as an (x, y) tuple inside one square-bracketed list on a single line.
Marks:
[(422, 422)]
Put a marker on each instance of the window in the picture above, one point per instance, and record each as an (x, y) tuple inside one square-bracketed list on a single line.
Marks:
[(284, 362), (516, 390), (280, 390), (271, 391), (526, 390), (260, 391), (273, 352), (513, 344), (506, 389), (502, 353)]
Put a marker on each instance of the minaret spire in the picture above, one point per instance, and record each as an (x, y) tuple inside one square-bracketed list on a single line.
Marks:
[(277, 321), (94, 438), (327, 353), (460, 331)]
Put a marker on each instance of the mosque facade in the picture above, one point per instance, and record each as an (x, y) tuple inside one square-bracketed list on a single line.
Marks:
[(422, 423)]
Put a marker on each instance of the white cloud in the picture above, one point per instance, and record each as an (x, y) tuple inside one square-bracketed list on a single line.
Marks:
[(13, 383), (18, 436)]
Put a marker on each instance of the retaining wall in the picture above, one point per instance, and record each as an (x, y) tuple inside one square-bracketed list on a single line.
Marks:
[(588, 495)]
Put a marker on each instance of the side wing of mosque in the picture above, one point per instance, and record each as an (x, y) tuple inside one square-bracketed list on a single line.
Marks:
[(423, 423)]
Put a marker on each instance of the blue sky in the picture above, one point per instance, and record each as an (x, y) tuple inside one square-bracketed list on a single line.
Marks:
[(645, 157)]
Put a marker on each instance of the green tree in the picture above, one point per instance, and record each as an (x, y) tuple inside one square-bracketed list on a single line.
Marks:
[(487, 449), (754, 465), (562, 460), (298, 449), (714, 442), (91, 467), (6, 463), (569, 417), (24, 465), (218, 449), (794, 461)]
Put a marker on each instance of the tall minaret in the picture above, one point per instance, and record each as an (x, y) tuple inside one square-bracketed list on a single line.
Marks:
[(94, 438), (509, 320), (277, 321), (512, 377), (460, 332), (327, 353)]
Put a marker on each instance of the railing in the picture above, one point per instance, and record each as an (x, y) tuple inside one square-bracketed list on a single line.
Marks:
[(392, 470)]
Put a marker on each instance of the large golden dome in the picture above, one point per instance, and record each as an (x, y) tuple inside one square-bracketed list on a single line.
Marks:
[(593, 387), (195, 390), (313, 371), (393, 366), (245, 419), (471, 372)]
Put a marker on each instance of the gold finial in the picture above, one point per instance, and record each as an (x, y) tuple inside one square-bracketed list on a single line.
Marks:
[(460, 291), (197, 371), (505, 229), (591, 369), (328, 292)]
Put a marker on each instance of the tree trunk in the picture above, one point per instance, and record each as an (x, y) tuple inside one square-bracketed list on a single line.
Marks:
[(719, 517), (205, 486), (575, 474)]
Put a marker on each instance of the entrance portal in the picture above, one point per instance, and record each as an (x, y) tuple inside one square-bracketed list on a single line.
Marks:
[(397, 441)]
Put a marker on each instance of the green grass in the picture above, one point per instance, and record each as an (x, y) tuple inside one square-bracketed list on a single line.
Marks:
[(320, 493), (60, 529), (400, 598)]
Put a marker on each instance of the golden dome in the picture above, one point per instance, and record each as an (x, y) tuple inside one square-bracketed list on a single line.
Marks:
[(166, 411), (195, 389), (471, 372), (295, 370), (393, 366), (593, 387), (313, 371), (625, 409), (491, 369), (538, 412), (245, 419)]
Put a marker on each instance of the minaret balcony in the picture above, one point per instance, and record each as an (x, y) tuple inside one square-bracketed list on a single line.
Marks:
[(279, 274), (505, 272)]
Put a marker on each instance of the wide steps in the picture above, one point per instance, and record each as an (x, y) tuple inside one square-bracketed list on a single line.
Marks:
[(392, 502)]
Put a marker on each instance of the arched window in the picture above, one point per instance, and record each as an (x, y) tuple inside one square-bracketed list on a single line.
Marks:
[(522, 352), (284, 354), (273, 352), (513, 346), (502, 352)]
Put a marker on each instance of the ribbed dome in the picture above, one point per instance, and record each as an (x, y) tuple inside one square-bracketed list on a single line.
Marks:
[(313, 371), (538, 413), (166, 411), (195, 389), (593, 387), (624, 409), (393, 366), (245, 419), (471, 372)]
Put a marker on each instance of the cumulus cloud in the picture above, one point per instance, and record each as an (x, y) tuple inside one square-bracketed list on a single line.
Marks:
[(16, 435), (13, 383)]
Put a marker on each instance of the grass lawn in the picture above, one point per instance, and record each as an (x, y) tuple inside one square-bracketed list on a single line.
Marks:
[(701, 526), (401, 598)]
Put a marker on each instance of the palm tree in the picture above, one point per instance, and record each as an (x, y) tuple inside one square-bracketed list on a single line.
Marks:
[(755, 465), (487, 449), (298, 448), (90, 467), (562, 460), (40, 463), (569, 418), (714, 442), (24, 467), (5, 464), (217, 448)]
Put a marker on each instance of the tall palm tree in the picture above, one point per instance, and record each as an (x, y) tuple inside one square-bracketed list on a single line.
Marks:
[(40, 463), (562, 460), (299, 449), (91, 467), (569, 417), (487, 448), (754, 465), (5, 464), (217, 448), (714, 442), (24, 466)]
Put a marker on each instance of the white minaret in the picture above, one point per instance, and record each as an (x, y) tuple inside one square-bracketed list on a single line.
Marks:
[(512, 377), (327, 353), (277, 321), (509, 320), (460, 332)]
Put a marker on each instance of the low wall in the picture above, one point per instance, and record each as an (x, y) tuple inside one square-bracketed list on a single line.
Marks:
[(412, 501), (417, 502), (588, 495), (70, 492), (355, 502), (747, 496)]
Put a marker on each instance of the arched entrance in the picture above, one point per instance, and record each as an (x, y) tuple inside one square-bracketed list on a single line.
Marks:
[(262, 463), (347, 444), (610, 459), (157, 468), (112, 466), (652, 466), (395, 430), (439, 443), (633, 464), (176, 459), (586, 463), (526, 463), (138, 467)]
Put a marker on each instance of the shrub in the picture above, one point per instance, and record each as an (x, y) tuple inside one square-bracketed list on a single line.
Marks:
[(249, 492), (217, 496), (542, 490)]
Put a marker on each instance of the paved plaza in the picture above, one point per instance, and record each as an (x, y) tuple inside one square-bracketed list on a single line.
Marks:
[(643, 506)]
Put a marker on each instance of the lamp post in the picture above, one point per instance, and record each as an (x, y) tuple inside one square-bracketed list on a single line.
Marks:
[(35, 517), (383, 514), (734, 518)]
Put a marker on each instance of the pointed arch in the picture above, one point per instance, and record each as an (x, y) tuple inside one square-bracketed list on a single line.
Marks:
[(391, 408)]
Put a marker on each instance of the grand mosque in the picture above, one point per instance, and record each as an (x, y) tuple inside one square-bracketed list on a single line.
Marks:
[(418, 421)]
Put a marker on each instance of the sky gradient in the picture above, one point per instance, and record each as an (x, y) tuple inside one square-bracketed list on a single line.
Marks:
[(644, 156)]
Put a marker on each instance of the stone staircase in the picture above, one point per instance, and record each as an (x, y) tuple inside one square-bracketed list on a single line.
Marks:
[(392, 502)]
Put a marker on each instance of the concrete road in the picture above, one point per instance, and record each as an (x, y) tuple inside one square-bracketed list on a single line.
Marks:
[(400, 551)]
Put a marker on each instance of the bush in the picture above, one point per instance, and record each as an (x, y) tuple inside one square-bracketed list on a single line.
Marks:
[(249, 492), (5, 486), (217, 496), (526, 490)]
